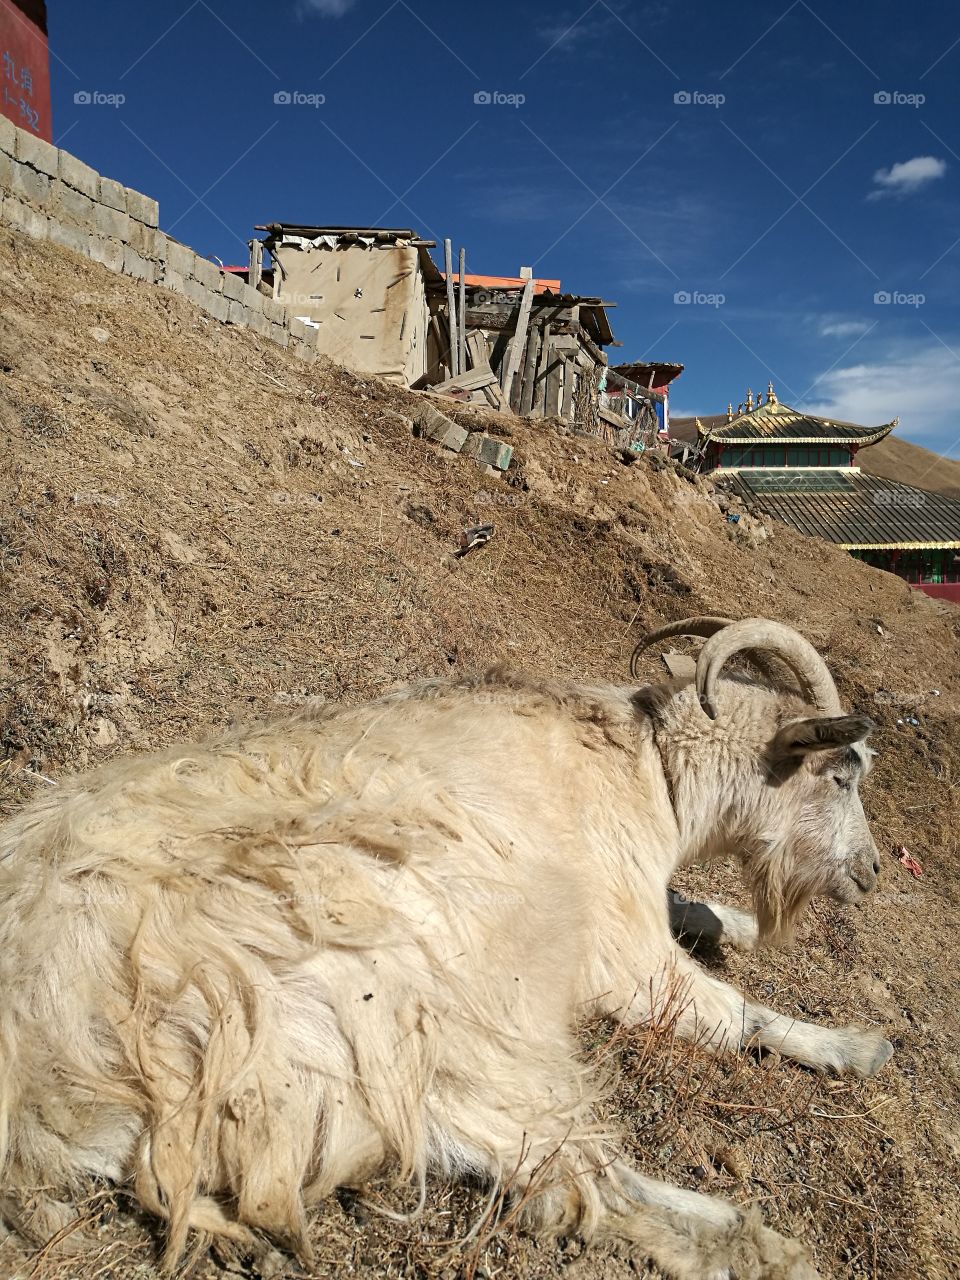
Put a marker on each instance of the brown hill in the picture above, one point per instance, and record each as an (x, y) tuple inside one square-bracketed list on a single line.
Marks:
[(196, 526), (899, 459)]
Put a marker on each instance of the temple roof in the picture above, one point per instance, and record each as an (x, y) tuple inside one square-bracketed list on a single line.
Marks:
[(856, 511), (776, 421)]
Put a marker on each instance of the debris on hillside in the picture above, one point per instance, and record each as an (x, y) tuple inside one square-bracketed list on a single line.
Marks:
[(907, 860), (477, 535)]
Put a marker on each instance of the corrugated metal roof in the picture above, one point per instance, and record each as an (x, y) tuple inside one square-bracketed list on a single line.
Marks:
[(869, 513), (775, 421)]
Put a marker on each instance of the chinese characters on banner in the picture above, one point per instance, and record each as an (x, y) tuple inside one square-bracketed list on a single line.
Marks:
[(25, 66)]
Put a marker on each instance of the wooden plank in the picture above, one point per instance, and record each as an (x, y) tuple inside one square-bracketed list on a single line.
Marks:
[(477, 348), (614, 419), (518, 343), (471, 380), (451, 310), (569, 380), (597, 353), (540, 390), (503, 318), (529, 370), (461, 309)]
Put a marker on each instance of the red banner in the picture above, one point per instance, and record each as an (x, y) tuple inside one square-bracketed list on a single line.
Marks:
[(25, 66)]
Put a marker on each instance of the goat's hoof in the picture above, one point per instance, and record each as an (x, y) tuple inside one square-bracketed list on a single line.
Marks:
[(882, 1056), (871, 1053), (759, 1253), (783, 1258)]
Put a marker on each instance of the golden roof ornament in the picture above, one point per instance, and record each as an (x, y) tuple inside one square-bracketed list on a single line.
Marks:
[(749, 398), (730, 411), (771, 394)]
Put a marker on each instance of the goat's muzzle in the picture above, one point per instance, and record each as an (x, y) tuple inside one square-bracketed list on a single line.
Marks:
[(863, 871)]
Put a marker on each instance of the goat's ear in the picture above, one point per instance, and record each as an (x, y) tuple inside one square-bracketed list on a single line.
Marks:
[(825, 733)]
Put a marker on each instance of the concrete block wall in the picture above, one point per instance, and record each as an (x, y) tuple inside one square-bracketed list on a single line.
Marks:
[(49, 194)]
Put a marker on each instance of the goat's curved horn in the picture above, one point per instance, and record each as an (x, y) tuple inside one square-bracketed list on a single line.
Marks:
[(781, 642), (705, 627)]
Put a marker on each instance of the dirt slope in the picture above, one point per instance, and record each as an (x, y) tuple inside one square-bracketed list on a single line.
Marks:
[(196, 526)]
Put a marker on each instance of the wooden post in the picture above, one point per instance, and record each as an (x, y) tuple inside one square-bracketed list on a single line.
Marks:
[(279, 274), (451, 309), (518, 343), (529, 370), (462, 315), (256, 264), (546, 354), (569, 373), (443, 356), (552, 397)]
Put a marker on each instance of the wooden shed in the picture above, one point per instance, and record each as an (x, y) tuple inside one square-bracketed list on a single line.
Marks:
[(527, 346), (364, 289)]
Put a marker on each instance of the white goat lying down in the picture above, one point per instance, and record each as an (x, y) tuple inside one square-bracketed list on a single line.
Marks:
[(239, 975)]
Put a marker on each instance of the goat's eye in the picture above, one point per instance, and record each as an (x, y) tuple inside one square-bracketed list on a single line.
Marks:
[(842, 783)]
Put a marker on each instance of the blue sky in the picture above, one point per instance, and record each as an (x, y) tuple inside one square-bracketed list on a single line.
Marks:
[(766, 190)]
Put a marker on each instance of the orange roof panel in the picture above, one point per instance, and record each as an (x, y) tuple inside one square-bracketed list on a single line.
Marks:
[(507, 282)]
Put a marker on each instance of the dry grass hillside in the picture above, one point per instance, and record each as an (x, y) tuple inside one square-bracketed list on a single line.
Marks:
[(897, 459), (197, 527)]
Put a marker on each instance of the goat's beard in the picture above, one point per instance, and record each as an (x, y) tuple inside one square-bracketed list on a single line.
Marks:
[(781, 892)]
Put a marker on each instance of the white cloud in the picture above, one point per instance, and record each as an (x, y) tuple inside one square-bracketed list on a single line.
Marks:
[(917, 384), (907, 176), (843, 328), (325, 8)]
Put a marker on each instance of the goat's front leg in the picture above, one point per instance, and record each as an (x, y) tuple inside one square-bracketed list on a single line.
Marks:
[(718, 1016), (712, 922)]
